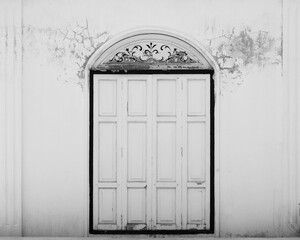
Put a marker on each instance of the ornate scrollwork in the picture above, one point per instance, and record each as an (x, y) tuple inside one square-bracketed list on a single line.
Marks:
[(152, 53)]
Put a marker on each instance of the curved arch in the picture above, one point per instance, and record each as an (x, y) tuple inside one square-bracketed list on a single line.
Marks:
[(193, 48), (136, 36)]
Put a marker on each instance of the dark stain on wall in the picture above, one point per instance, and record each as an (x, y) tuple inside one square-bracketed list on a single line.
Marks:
[(242, 48)]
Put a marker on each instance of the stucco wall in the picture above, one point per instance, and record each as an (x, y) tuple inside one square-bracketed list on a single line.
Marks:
[(245, 39)]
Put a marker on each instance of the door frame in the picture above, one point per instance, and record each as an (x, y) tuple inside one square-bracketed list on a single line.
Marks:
[(215, 120)]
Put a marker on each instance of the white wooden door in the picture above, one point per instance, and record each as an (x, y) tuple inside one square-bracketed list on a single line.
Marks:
[(151, 152)]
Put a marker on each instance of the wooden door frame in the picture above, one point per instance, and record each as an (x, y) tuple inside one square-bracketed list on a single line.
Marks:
[(215, 120)]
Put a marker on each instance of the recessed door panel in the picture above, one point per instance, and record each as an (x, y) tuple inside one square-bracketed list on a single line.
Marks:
[(107, 206), (136, 206), (137, 151), (108, 97), (196, 206), (196, 97), (166, 151), (196, 155), (166, 206), (137, 97), (166, 97), (107, 152)]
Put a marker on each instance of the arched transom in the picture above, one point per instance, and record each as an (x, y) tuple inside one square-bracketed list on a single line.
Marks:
[(150, 51)]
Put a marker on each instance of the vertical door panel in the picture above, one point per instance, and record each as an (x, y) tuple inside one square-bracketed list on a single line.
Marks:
[(196, 149), (166, 187), (107, 153), (136, 122)]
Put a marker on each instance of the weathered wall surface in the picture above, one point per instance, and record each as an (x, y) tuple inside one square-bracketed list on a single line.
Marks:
[(245, 39)]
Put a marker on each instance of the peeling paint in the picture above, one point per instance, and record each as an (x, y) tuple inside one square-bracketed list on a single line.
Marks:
[(69, 48), (236, 51), (240, 49), (261, 234), (136, 227)]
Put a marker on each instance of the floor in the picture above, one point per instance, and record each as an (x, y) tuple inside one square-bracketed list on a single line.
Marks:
[(137, 237)]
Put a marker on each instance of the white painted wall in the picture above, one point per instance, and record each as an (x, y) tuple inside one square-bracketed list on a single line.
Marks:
[(252, 117), (53, 154), (10, 117), (251, 154)]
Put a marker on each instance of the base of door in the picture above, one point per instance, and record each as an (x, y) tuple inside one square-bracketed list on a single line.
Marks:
[(209, 233)]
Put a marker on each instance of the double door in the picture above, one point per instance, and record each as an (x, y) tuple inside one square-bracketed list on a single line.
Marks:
[(151, 152)]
